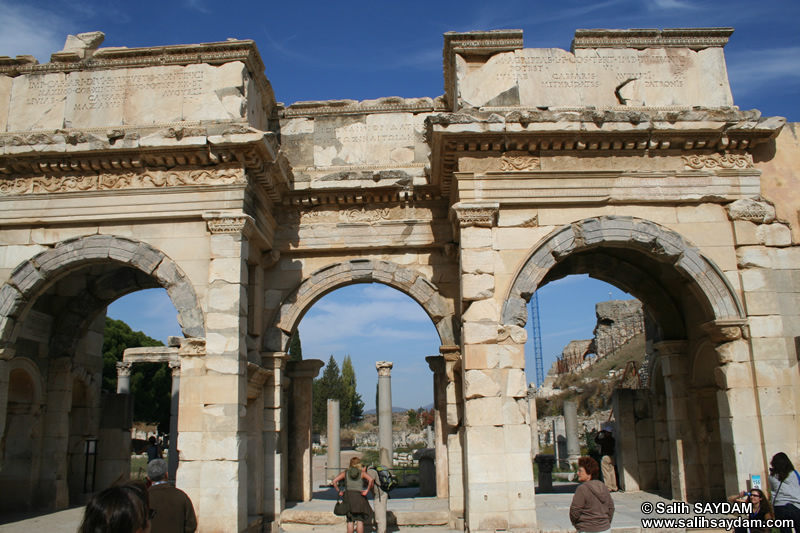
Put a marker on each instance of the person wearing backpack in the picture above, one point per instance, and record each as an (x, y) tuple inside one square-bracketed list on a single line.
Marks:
[(355, 495), (785, 484), (381, 498)]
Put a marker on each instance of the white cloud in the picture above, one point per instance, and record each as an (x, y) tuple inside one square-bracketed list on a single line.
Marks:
[(197, 5), (670, 5), (28, 30), (750, 70)]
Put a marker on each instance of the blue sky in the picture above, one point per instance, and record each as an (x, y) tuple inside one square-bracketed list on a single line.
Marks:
[(363, 50)]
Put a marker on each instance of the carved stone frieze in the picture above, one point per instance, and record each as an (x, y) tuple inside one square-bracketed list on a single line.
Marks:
[(295, 216), (520, 163), (147, 179), (751, 211), (481, 215), (717, 161), (365, 215)]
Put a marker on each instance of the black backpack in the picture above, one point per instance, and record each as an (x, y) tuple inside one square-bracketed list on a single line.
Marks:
[(386, 480)]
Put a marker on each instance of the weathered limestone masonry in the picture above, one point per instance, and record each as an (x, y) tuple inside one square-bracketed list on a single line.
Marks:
[(625, 158)]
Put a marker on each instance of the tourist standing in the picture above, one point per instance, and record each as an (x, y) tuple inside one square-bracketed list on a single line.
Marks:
[(381, 499), (355, 495), (174, 510), (153, 449), (784, 481), (592, 507), (607, 444)]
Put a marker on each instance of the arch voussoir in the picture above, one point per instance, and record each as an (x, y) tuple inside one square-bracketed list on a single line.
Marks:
[(335, 275), (657, 242)]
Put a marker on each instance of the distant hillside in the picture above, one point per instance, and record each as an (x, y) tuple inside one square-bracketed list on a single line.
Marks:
[(633, 350), (394, 410)]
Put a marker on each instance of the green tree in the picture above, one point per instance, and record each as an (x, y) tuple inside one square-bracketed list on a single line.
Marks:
[(326, 387), (295, 349), (413, 418), (352, 407), (151, 383)]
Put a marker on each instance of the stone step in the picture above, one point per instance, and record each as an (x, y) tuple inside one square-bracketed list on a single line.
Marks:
[(292, 518)]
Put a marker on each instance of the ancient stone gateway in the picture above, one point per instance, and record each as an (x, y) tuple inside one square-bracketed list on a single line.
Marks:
[(174, 167)]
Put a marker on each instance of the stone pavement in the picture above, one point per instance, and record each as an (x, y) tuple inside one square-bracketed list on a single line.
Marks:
[(420, 515)]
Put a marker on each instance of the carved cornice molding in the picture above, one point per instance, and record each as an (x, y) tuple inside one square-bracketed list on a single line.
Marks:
[(256, 378), (33, 157), (354, 107), (717, 161), (140, 179), (692, 38), (479, 215)]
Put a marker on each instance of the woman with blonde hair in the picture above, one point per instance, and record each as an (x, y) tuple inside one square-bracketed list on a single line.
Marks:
[(355, 495)]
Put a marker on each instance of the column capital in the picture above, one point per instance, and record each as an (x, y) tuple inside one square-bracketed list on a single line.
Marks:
[(482, 215), (124, 369), (436, 364), (669, 348), (192, 346), (307, 368), (175, 366), (724, 330), (229, 223), (384, 368)]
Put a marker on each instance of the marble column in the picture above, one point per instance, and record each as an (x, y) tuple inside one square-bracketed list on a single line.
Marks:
[(385, 411), (172, 459), (124, 377), (571, 424), (301, 375), (334, 444)]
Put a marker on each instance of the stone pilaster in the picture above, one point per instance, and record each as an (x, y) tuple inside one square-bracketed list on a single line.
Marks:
[(437, 365), (301, 374), (55, 439), (741, 428), (215, 443), (497, 442), (674, 368), (275, 427), (174, 407)]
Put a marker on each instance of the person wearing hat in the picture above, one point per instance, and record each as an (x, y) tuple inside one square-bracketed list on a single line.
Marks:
[(606, 442), (174, 510)]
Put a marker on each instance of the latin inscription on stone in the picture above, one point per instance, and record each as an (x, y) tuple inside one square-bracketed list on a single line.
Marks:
[(125, 96), (107, 89), (600, 77)]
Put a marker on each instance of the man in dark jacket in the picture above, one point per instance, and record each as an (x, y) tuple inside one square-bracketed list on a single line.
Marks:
[(174, 510)]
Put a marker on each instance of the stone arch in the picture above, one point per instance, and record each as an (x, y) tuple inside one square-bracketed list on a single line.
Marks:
[(25, 384), (336, 275), (651, 240), (34, 276)]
